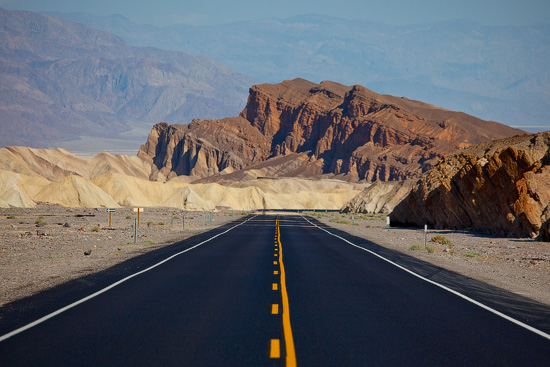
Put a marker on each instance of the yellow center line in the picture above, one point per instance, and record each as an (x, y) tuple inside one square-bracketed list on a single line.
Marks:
[(275, 287), (274, 309), (287, 330), (275, 272), (274, 262), (275, 350)]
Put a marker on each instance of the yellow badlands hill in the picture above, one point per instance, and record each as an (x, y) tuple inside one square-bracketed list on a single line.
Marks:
[(30, 176)]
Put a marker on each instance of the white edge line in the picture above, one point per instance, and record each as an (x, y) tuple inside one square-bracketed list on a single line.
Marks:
[(498, 313), (61, 310)]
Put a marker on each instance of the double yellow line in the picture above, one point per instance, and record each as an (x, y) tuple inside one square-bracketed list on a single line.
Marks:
[(287, 329)]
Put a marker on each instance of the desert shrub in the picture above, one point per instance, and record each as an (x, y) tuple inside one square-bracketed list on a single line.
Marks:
[(149, 224), (40, 223), (472, 254), (416, 247), (340, 220), (95, 229), (10, 217), (128, 217), (430, 249), (442, 240)]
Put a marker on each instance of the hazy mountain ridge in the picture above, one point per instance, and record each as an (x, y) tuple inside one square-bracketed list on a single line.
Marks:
[(60, 79), (494, 72)]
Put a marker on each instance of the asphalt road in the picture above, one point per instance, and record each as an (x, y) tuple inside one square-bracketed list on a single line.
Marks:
[(270, 292)]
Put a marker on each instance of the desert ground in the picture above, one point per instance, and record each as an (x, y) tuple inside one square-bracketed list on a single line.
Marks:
[(48, 245)]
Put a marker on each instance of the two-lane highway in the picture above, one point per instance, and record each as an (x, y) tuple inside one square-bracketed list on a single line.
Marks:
[(268, 291)]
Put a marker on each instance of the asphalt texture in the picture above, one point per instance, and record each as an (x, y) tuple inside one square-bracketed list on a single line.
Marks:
[(212, 305)]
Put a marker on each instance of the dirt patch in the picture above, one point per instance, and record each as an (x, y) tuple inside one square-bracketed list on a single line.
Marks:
[(50, 245), (519, 265)]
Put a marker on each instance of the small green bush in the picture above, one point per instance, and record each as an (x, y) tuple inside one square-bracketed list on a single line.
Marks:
[(95, 229), (10, 217), (416, 247), (430, 249), (339, 220), (472, 254)]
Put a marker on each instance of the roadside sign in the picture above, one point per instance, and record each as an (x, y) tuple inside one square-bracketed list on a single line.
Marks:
[(110, 211)]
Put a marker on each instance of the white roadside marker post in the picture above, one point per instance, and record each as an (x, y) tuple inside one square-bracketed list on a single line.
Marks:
[(135, 230), (425, 235)]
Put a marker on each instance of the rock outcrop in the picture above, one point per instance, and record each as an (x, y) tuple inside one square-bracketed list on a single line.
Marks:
[(349, 132), (380, 197), (502, 187)]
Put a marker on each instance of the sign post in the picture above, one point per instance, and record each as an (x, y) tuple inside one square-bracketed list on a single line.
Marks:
[(110, 211), (138, 210), (388, 222)]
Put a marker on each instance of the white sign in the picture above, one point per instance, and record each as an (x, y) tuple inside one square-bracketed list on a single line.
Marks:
[(138, 209)]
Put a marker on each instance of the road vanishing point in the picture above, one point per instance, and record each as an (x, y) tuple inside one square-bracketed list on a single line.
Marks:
[(271, 290)]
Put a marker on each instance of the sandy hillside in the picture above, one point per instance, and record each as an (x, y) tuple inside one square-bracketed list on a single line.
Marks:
[(32, 176)]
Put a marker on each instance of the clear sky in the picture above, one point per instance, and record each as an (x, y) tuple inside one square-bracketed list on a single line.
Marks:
[(396, 12)]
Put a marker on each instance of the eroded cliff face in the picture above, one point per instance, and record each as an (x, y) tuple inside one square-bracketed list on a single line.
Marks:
[(502, 190), (350, 132)]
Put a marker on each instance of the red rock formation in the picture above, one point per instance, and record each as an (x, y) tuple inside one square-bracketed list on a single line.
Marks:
[(347, 131), (502, 187)]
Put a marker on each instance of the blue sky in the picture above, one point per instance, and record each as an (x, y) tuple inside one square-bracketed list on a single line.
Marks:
[(396, 12)]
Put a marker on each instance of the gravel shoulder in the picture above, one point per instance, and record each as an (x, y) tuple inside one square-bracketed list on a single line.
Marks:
[(519, 265), (49, 245)]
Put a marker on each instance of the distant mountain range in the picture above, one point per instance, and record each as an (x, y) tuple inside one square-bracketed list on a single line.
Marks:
[(497, 73), (60, 80)]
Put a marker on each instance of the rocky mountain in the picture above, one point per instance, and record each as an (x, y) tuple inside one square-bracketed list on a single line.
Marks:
[(501, 187), (60, 80), (307, 129), (498, 73)]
